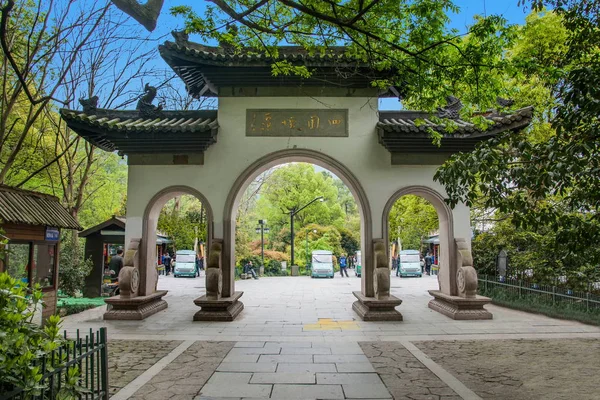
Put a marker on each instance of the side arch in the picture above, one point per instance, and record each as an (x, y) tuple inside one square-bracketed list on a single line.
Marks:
[(150, 221), (295, 155), (446, 226)]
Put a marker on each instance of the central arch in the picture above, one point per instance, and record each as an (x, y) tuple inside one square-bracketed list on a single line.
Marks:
[(446, 228), (286, 156)]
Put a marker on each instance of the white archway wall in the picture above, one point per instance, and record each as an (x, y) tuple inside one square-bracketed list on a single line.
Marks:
[(234, 152)]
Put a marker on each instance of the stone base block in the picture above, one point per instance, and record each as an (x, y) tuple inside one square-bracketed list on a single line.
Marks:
[(460, 308), (371, 309), (224, 309), (135, 308)]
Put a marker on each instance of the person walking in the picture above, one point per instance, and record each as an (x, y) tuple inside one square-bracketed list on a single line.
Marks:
[(166, 260), (343, 266), (197, 266), (249, 269), (116, 263), (428, 262)]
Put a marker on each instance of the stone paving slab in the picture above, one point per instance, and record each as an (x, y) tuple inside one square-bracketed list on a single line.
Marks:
[(348, 378), (366, 391), (306, 367), (307, 392), (184, 377), (403, 375), (284, 377), (247, 367), (522, 369), (128, 359)]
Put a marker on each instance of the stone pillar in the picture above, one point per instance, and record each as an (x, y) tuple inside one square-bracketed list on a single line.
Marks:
[(213, 305), (132, 303), (382, 306), (465, 304)]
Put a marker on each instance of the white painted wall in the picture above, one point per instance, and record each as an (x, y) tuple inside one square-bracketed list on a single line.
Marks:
[(234, 152)]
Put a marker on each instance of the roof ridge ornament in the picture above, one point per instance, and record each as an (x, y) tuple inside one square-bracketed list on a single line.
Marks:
[(451, 109), (89, 105), (145, 106), (181, 37), (504, 102)]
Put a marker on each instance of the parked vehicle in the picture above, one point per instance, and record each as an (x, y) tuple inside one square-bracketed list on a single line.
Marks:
[(410, 263), (322, 264), (358, 267), (185, 263)]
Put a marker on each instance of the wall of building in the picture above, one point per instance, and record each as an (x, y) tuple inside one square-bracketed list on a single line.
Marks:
[(224, 161)]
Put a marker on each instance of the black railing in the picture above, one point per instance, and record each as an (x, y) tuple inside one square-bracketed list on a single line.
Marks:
[(80, 365), (548, 293)]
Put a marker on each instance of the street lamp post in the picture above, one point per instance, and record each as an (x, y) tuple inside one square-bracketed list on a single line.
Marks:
[(307, 258), (295, 211), (262, 228)]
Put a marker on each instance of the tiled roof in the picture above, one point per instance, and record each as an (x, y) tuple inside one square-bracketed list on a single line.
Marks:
[(19, 206), (417, 121), (131, 132), (408, 131), (205, 69)]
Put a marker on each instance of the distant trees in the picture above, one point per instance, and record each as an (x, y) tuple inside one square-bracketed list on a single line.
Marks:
[(412, 219)]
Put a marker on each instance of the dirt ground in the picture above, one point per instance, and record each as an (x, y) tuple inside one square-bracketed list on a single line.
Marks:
[(522, 369)]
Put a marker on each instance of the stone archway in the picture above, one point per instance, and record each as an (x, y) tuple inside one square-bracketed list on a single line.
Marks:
[(149, 224), (446, 228), (282, 157)]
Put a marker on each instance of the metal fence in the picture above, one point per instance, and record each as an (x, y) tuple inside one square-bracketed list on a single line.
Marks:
[(546, 293), (89, 354)]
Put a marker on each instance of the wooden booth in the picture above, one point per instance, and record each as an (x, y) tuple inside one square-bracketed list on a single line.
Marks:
[(101, 243), (31, 222)]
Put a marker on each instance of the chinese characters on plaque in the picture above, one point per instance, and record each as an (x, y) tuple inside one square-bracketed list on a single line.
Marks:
[(297, 122)]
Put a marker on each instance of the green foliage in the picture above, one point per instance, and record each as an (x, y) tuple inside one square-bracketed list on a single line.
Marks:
[(412, 219), (539, 252), (69, 309), (74, 268), (181, 219), (23, 344), (411, 36), (541, 305)]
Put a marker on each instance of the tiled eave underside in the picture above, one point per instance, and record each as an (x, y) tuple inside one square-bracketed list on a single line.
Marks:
[(147, 136)]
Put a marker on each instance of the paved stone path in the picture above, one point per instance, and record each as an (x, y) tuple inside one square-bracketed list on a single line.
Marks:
[(404, 375), (299, 337), (522, 369), (128, 359)]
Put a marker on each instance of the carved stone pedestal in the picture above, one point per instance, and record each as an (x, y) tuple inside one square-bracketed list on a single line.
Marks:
[(460, 308), (223, 309), (135, 308), (372, 309)]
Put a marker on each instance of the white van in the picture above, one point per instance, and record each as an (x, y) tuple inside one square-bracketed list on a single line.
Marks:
[(185, 263), (410, 263), (322, 264)]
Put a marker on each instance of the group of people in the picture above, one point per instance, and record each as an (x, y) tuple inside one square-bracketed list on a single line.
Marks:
[(345, 263)]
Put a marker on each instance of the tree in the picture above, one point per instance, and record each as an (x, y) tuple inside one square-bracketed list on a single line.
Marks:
[(549, 180), (411, 220), (410, 36)]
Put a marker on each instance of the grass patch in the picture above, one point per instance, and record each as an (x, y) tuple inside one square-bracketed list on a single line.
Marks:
[(74, 305), (540, 305)]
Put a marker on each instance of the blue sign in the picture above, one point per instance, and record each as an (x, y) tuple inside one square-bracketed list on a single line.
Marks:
[(52, 234)]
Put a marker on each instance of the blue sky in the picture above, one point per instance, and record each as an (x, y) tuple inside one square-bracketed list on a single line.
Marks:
[(468, 9)]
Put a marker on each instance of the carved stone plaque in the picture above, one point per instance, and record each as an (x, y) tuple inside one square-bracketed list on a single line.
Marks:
[(297, 122)]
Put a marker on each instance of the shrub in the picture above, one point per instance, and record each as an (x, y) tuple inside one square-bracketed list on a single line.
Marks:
[(73, 267), (23, 344)]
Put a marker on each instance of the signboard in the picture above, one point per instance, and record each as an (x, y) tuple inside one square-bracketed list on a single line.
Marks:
[(297, 122), (52, 234)]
